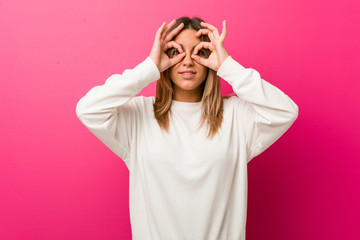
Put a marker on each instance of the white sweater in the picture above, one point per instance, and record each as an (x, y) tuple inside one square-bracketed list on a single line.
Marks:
[(182, 185)]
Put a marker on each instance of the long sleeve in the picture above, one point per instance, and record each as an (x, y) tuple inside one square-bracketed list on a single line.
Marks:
[(267, 113), (110, 111)]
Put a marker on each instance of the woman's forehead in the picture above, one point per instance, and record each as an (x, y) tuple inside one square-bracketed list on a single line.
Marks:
[(187, 38)]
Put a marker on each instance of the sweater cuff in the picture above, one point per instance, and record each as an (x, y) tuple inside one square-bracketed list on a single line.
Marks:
[(228, 68), (151, 68)]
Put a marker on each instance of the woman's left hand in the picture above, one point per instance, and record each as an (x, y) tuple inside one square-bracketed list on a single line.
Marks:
[(216, 46)]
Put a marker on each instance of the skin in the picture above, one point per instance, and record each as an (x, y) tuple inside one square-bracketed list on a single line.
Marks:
[(188, 90)]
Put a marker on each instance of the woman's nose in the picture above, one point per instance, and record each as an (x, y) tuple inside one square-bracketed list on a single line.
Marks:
[(188, 59)]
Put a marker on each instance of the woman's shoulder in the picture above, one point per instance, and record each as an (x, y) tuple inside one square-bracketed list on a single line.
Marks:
[(144, 98), (232, 99), (235, 103), (143, 101)]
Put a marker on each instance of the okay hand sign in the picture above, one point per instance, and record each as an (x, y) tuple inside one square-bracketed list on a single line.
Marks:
[(216, 46), (162, 43)]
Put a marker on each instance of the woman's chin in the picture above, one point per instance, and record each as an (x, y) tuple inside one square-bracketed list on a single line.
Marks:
[(189, 86)]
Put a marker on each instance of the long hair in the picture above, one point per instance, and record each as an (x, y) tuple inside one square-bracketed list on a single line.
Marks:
[(211, 101)]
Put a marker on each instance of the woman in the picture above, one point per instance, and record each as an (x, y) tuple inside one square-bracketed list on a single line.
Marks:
[(187, 149)]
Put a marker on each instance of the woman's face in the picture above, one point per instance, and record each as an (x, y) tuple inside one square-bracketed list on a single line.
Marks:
[(182, 81)]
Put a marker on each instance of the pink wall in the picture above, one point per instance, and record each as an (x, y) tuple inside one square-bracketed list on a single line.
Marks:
[(58, 181)]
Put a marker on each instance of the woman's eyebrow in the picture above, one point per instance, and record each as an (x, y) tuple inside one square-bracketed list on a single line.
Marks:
[(183, 47)]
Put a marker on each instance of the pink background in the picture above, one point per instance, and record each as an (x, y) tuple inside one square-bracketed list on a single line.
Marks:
[(58, 181)]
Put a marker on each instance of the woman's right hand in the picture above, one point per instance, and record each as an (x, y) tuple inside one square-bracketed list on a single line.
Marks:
[(162, 43)]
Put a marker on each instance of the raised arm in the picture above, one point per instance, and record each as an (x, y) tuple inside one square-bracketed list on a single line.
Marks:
[(266, 111), (109, 111)]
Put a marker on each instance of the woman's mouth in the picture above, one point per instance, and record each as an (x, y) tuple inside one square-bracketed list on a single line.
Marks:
[(187, 74)]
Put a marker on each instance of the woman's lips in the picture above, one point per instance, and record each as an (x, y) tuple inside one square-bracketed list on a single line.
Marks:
[(188, 75)]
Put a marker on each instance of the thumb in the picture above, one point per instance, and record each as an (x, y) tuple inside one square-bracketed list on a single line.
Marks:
[(199, 59), (177, 59)]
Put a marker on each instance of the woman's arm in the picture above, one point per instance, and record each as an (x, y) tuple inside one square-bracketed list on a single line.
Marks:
[(267, 110), (109, 111), (264, 109)]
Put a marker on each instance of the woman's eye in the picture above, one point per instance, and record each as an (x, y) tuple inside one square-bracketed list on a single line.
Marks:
[(176, 51), (200, 53)]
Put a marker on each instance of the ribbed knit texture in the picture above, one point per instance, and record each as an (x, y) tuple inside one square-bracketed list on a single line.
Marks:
[(184, 186)]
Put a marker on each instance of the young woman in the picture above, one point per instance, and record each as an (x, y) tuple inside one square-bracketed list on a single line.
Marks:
[(187, 149)]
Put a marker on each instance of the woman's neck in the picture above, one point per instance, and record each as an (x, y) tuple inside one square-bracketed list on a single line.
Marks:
[(187, 96)]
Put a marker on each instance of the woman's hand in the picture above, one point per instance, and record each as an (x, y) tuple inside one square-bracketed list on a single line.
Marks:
[(162, 43), (216, 46)]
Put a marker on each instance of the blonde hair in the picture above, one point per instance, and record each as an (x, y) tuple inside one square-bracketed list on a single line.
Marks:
[(211, 98)]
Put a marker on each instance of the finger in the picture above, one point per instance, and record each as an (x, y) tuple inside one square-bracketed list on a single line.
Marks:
[(173, 44), (201, 45), (159, 31), (167, 27), (177, 59), (174, 32), (202, 61), (223, 33), (204, 31), (211, 27)]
